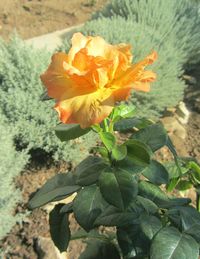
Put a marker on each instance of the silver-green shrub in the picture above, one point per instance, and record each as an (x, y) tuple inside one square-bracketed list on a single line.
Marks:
[(172, 20), (11, 164), (33, 120)]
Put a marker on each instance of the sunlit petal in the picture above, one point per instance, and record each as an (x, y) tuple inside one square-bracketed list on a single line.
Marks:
[(85, 110)]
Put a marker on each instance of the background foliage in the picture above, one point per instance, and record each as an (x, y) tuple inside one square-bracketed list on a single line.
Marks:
[(11, 164), (169, 27)]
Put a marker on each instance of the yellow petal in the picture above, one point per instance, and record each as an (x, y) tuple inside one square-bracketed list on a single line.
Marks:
[(63, 81), (79, 41), (97, 46), (86, 110), (55, 78), (136, 77)]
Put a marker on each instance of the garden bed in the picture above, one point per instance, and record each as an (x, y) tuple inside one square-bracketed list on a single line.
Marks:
[(36, 18)]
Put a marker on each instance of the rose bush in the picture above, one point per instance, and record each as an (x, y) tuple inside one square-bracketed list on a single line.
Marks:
[(118, 186)]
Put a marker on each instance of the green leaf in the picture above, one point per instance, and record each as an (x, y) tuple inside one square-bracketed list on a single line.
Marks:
[(183, 185), (175, 173), (57, 188), (178, 202), (87, 206), (169, 243), (122, 111), (119, 152), (188, 219), (150, 225), (154, 193), (126, 111), (118, 188), (173, 170), (195, 171), (112, 216), (128, 124), (102, 151), (94, 233), (156, 173), (97, 249), (172, 184), (108, 140), (154, 136), (138, 152), (148, 205), (66, 132), (135, 239), (127, 165), (88, 171), (171, 147), (59, 228), (67, 208), (125, 243), (96, 127)]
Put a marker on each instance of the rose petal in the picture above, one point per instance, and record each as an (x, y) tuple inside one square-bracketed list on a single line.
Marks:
[(86, 110), (78, 42), (135, 75)]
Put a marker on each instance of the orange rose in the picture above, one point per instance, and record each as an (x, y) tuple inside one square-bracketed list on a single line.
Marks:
[(94, 75)]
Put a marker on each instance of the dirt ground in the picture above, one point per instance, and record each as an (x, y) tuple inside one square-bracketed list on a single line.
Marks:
[(36, 17), (22, 242)]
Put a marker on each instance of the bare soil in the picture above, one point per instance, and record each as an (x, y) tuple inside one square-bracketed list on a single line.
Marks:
[(23, 238), (36, 17)]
